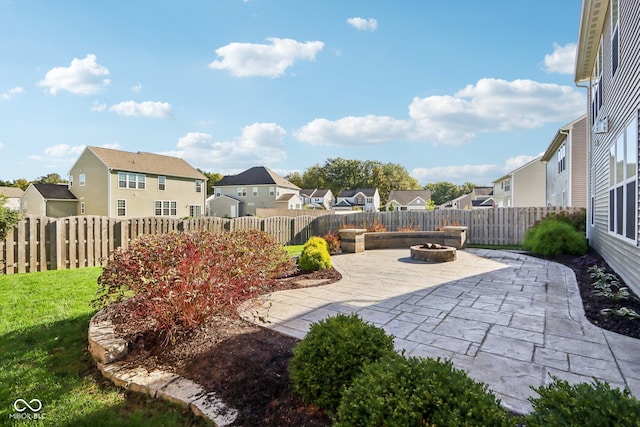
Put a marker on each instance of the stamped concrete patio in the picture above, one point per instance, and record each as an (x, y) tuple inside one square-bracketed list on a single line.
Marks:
[(507, 319)]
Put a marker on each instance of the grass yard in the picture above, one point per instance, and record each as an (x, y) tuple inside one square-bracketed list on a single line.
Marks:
[(43, 355)]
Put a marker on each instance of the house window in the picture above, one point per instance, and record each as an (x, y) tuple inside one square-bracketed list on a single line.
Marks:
[(195, 211), (70, 181), (198, 186), (623, 160), (596, 85), (166, 208), (131, 180), (162, 183), (122, 207), (82, 208), (82, 178), (370, 200), (242, 192), (272, 191), (615, 37), (254, 191), (218, 192), (562, 158)]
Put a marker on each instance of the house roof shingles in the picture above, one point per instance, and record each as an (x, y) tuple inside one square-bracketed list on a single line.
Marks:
[(404, 197), (257, 175), (140, 162), (54, 192), (11, 192), (368, 192)]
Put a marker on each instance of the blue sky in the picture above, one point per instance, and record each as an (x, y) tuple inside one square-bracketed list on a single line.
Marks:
[(453, 91)]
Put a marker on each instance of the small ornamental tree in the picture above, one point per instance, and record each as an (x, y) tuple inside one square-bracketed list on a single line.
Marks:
[(179, 280), (8, 218)]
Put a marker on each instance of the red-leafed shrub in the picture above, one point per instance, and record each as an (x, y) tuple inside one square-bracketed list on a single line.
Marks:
[(333, 241), (179, 280)]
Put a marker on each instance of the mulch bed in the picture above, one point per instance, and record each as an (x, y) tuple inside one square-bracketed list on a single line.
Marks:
[(246, 365)]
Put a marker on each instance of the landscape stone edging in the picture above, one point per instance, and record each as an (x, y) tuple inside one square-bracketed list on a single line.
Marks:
[(108, 350)]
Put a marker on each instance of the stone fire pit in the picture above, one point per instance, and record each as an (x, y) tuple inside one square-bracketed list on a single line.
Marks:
[(431, 252)]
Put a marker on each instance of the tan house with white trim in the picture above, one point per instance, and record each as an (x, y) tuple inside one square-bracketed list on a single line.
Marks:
[(523, 187), (122, 184), (13, 196)]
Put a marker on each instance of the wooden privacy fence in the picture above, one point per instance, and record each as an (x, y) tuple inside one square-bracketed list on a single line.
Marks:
[(41, 243)]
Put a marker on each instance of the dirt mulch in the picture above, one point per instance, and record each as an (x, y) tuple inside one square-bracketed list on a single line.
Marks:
[(246, 365)]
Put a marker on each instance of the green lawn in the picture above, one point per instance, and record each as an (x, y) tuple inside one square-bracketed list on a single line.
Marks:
[(43, 355)]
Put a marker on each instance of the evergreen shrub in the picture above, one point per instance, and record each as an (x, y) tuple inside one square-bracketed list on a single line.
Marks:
[(409, 391), (584, 404), (332, 353)]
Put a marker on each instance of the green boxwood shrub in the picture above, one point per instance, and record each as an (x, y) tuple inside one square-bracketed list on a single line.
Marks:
[(553, 237), (315, 255), (597, 404), (410, 391), (333, 352)]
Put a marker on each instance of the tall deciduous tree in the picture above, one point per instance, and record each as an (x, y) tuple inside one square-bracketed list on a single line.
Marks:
[(212, 180)]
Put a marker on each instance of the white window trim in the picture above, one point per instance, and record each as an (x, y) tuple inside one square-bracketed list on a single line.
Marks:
[(82, 179), (139, 181), (162, 180), (625, 181), (118, 207), (169, 205)]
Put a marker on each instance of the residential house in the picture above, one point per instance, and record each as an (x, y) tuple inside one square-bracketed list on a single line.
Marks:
[(522, 187), (121, 184), (317, 199), (478, 198), (360, 199), (408, 200), (52, 200), (13, 195), (566, 166), (257, 187), (607, 64)]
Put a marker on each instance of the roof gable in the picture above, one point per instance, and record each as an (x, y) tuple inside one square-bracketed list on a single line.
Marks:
[(11, 192), (156, 164), (257, 175), (54, 191), (406, 197)]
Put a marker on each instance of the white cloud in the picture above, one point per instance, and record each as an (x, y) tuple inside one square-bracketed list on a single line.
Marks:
[(483, 174), (137, 87), (562, 60), (1, 145), (363, 24), (59, 154), (491, 105), (82, 77), (355, 130), (264, 60), (154, 110), (259, 143), (18, 90), (98, 107)]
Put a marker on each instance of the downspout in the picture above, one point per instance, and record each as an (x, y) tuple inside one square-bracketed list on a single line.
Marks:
[(589, 160), (569, 191)]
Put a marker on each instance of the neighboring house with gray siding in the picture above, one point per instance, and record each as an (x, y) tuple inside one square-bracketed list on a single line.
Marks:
[(566, 166), (257, 187), (121, 184), (607, 62), (360, 199), (52, 200)]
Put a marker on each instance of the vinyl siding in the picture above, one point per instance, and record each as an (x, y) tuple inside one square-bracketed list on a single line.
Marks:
[(621, 101), (577, 163)]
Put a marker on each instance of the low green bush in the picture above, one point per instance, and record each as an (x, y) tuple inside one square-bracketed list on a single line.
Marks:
[(553, 237), (315, 255), (333, 352), (409, 391), (597, 404)]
